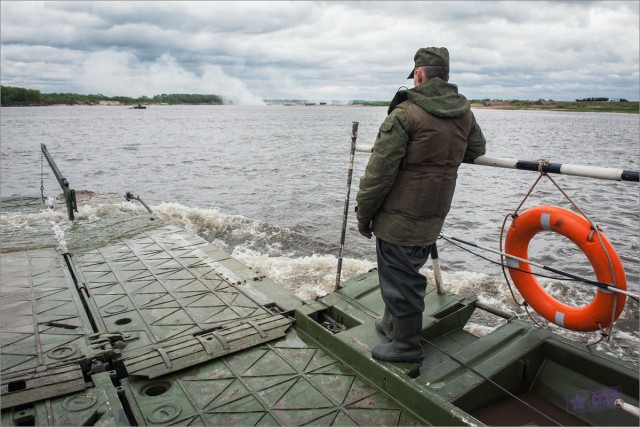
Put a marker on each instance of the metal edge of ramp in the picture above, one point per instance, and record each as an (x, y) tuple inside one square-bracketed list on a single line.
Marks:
[(284, 382), (54, 336), (44, 327), (321, 390)]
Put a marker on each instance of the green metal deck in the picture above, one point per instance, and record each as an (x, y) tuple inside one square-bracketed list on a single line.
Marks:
[(165, 328), (156, 326)]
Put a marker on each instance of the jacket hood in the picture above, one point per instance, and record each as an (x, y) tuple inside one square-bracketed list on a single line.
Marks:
[(439, 98)]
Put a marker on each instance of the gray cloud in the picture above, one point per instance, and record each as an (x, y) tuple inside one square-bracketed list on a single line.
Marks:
[(320, 50)]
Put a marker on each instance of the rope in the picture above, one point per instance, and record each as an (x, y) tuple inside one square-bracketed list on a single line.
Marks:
[(514, 215), (605, 333), (594, 228), (502, 263), (524, 303), (565, 276), (526, 309)]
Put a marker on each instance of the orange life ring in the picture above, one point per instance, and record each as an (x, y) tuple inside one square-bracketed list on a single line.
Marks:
[(573, 226)]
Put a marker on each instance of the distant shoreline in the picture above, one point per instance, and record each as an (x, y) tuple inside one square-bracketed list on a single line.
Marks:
[(573, 106), (22, 97)]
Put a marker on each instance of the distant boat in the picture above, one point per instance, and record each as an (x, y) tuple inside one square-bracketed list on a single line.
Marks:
[(139, 107)]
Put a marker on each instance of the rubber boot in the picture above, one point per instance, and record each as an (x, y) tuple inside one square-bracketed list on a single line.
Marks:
[(405, 346), (384, 324)]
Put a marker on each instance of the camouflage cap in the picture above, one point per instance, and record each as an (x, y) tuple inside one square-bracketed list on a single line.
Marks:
[(438, 56)]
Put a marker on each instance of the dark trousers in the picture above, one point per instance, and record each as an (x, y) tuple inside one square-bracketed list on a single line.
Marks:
[(402, 286)]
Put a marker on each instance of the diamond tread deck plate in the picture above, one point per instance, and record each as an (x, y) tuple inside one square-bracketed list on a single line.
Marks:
[(283, 383), (167, 329), (161, 285), (43, 322), (189, 351), (95, 406)]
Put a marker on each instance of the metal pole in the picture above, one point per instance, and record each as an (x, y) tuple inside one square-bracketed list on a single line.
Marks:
[(437, 274), (69, 194), (559, 168), (354, 136), (627, 407), (129, 196)]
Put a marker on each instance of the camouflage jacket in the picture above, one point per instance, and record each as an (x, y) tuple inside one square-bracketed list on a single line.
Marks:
[(403, 181)]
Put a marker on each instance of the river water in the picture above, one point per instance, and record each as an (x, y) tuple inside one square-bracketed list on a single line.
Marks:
[(268, 184)]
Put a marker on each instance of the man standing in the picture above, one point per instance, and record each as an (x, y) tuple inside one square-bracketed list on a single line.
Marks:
[(406, 192)]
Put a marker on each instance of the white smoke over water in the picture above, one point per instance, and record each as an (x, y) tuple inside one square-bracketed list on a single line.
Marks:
[(117, 73)]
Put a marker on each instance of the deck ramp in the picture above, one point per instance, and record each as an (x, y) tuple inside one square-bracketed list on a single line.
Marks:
[(165, 328)]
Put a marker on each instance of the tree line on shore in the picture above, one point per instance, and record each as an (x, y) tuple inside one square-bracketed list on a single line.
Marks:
[(16, 96), (24, 97)]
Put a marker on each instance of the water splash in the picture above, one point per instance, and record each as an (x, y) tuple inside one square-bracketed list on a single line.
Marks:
[(303, 266)]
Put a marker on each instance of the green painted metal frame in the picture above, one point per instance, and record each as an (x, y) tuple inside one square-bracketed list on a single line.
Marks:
[(463, 374), (98, 405), (325, 357), (69, 194)]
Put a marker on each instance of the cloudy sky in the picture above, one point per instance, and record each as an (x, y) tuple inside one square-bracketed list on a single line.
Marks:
[(320, 51)]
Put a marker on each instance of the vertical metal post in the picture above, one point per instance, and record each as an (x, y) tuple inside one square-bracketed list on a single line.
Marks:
[(435, 263), (354, 136), (69, 194)]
